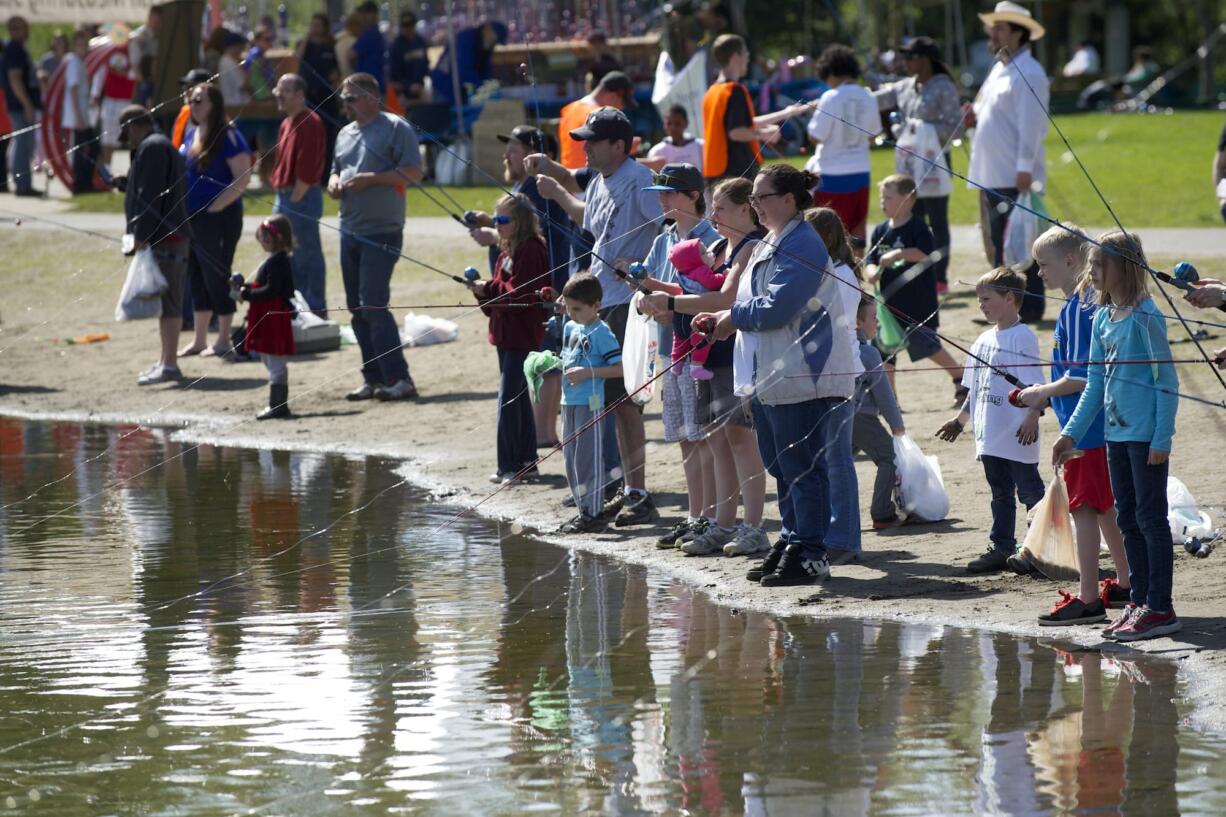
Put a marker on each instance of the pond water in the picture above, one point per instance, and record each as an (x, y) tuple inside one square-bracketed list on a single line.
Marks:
[(212, 631)]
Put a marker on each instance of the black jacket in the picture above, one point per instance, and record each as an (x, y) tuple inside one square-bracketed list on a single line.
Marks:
[(153, 200)]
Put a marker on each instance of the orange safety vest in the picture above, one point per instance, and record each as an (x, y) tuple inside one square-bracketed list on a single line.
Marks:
[(574, 114), (715, 144), (176, 135)]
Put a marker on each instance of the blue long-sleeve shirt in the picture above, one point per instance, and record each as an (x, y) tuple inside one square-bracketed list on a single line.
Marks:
[(1138, 400)]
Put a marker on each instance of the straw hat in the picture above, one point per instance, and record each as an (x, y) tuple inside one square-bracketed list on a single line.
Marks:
[(1006, 12)]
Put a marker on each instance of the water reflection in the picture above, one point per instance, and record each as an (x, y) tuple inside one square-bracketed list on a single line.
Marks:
[(207, 630)]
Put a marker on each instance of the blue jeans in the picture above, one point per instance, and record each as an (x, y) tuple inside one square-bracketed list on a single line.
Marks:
[(307, 261), (1010, 481), (516, 424), (23, 152), (366, 268), (835, 443), (790, 439), (1140, 510)]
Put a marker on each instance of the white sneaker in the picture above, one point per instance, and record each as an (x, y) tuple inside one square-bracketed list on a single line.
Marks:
[(748, 541), (710, 541)]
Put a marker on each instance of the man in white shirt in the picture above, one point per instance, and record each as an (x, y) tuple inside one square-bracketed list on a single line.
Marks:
[(678, 145), (75, 117), (1085, 61), (845, 122), (1010, 115)]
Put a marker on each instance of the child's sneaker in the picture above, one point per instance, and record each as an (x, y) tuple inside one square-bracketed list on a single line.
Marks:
[(749, 540), (1071, 610), (712, 541), (795, 569), (669, 540), (1114, 597), (1130, 610), (700, 372), (585, 524), (1149, 624), (1020, 564), (697, 528)]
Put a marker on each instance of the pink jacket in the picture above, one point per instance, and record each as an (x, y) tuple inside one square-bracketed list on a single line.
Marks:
[(686, 256)]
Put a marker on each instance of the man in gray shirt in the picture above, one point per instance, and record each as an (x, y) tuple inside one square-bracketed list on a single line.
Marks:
[(376, 156), (624, 218)]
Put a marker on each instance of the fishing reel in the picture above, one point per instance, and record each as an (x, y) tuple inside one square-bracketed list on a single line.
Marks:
[(1015, 399), (1184, 275), (637, 271), (471, 275), (236, 286), (469, 218), (704, 325)]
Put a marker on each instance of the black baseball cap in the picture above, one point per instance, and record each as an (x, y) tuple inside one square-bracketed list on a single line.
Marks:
[(925, 47), (530, 137), (194, 77), (618, 82), (134, 113), (605, 123), (677, 177)]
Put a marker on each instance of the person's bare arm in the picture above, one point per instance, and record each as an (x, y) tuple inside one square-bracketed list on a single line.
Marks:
[(550, 188), (1219, 171), (538, 164), (240, 169)]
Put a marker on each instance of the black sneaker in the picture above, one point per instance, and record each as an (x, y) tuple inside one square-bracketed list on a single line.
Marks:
[(1021, 565), (1072, 610), (637, 509), (794, 569), (992, 561), (613, 505), (768, 564), (585, 524), (669, 540)]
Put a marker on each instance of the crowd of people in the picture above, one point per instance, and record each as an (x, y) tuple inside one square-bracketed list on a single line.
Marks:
[(758, 277)]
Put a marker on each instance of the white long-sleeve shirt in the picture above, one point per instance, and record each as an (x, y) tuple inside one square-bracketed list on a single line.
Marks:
[(1011, 123)]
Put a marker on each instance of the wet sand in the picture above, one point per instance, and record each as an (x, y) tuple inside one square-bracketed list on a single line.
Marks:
[(61, 284)]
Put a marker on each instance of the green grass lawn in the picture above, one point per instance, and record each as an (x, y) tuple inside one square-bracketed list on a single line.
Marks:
[(1153, 169)]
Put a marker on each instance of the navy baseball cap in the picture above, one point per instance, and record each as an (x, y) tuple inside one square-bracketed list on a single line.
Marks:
[(605, 123), (677, 177), (528, 136)]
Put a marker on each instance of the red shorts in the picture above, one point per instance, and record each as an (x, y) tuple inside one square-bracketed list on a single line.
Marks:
[(852, 208), (1088, 481)]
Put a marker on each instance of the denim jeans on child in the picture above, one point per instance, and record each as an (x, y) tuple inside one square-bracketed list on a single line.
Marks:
[(307, 261), (1140, 510), (790, 439), (366, 266), (1010, 481)]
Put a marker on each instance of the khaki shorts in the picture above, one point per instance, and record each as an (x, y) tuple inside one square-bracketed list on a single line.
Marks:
[(172, 261)]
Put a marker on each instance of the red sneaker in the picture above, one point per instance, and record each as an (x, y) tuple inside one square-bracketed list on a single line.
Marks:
[(1114, 597), (1130, 611), (1149, 624)]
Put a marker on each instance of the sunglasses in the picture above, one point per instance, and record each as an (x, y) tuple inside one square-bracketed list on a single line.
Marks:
[(754, 198), (502, 219), (195, 100), (349, 98), (661, 180)]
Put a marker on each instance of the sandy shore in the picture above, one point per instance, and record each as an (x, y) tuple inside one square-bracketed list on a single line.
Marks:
[(60, 284)]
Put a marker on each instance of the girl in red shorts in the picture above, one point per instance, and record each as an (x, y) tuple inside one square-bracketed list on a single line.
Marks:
[(1061, 256)]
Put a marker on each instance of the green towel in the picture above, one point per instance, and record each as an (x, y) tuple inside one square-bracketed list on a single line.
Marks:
[(535, 367)]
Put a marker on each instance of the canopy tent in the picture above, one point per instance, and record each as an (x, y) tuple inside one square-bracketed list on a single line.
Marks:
[(76, 11)]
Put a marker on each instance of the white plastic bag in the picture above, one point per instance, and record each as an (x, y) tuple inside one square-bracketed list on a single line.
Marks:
[(1185, 517), (423, 330), (1021, 229), (921, 491), (1049, 540), (141, 296), (918, 154), (639, 354)]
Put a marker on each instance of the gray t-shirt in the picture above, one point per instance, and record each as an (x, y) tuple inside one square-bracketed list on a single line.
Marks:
[(625, 220), (387, 143)]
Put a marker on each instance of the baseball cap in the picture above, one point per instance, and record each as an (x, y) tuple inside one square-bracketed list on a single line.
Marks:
[(133, 113), (925, 47), (605, 123), (618, 82), (677, 177), (194, 77), (530, 137)]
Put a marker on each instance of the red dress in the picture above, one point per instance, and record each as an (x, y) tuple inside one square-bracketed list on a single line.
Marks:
[(270, 324)]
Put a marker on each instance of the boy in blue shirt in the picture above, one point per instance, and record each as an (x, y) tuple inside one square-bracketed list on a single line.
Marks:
[(590, 353)]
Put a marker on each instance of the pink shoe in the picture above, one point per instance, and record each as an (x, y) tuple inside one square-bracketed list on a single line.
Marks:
[(700, 372)]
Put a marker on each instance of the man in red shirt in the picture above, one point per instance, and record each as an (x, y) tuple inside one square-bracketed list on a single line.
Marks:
[(295, 177)]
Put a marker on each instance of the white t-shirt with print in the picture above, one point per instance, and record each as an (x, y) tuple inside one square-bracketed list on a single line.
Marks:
[(994, 420), (76, 82), (690, 152)]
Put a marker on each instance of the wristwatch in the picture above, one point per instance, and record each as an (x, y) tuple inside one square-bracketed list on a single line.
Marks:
[(672, 304)]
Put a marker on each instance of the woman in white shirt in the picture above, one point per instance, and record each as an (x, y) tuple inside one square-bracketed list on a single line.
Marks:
[(842, 127)]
